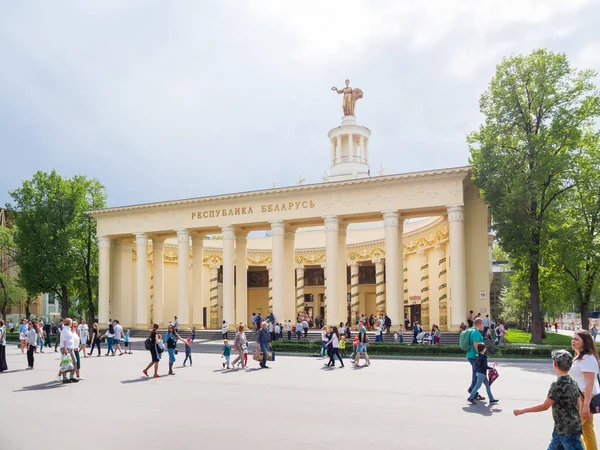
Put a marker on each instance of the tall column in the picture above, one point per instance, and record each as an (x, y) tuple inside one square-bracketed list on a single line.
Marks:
[(379, 286), (158, 282), (270, 277), (405, 272), (401, 272), (214, 296), (350, 147), (458, 275), (338, 149), (183, 277), (278, 255), (392, 266), (424, 288), (325, 316), (241, 278), (443, 289), (103, 278), (342, 273), (299, 289), (228, 277), (361, 151), (197, 281), (289, 279), (125, 292), (354, 291), (334, 316), (141, 244)]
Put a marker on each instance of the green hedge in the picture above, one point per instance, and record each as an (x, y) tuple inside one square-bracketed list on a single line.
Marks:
[(309, 347)]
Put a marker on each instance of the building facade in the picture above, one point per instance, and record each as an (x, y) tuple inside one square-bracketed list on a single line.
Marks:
[(409, 245)]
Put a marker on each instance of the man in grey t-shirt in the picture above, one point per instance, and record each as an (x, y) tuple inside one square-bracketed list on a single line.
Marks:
[(118, 331)]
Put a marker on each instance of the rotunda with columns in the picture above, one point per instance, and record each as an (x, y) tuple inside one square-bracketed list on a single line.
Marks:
[(409, 245)]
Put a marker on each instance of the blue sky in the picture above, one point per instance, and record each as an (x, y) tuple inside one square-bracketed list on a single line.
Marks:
[(181, 99)]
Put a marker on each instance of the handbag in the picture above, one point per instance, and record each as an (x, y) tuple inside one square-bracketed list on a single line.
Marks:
[(66, 363), (271, 356), (256, 355), (493, 374), (595, 403)]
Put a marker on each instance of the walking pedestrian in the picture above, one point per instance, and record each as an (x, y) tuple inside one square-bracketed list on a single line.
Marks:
[(176, 324), (305, 327), (23, 330), (110, 338), (48, 334), (481, 368), (3, 365), (32, 338), (118, 330), (126, 340), (188, 351), (95, 339), (324, 340), (334, 351), (298, 329), (153, 345), (475, 338), (76, 344), (170, 339), (486, 326), (585, 373), (83, 331), (67, 344), (40, 336), (288, 328), (57, 331), (240, 344), (361, 346), (224, 327), (264, 343)]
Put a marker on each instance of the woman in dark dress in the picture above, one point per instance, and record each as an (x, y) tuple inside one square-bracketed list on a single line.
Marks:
[(3, 365), (95, 339), (154, 351)]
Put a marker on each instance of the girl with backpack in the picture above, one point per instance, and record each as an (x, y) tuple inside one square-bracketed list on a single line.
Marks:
[(170, 340), (153, 344)]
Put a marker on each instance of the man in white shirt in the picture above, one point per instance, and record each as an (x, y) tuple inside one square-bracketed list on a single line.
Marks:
[(118, 330), (31, 344), (288, 328), (486, 325), (67, 347)]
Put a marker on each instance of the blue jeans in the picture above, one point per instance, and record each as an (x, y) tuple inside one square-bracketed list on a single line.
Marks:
[(481, 379), (473, 375), (485, 330), (289, 335), (323, 348), (265, 349), (110, 347), (572, 442), (186, 358)]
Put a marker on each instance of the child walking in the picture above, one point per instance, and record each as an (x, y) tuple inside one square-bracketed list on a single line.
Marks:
[(564, 399), (188, 351), (127, 347), (343, 346), (226, 352), (193, 335), (481, 368)]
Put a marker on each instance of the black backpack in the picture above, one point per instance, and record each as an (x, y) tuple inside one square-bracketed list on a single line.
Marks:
[(148, 344), (111, 329)]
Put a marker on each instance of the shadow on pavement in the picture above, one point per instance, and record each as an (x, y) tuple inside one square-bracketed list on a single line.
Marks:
[(14, 370), (482, 409), (41, 387), (136, 380)]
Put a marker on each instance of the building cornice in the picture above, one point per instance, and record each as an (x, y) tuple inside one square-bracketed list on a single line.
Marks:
[(464, 170)]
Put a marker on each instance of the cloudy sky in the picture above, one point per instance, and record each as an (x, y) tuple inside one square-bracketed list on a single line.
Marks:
[(165, 100)]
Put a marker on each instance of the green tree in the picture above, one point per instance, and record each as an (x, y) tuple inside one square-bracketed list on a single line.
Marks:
[(54, 254), (535, 109), (574, 241), (10, 291)]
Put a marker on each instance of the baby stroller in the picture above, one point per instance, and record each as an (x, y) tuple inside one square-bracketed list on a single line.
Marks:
[(424, 337)]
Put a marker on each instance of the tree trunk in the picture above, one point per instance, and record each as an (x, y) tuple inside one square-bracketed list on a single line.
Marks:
[(27, 311), (534, 295), (64, 301)]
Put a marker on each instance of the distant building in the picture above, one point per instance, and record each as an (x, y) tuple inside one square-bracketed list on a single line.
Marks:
[(501, 273)]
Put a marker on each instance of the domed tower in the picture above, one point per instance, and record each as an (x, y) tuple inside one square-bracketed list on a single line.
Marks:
[(349, 141)]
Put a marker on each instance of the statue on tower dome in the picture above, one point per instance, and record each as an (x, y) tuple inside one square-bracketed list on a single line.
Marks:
[(350, 97)]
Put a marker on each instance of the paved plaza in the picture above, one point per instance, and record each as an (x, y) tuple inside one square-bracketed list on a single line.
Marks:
[(297, 404)]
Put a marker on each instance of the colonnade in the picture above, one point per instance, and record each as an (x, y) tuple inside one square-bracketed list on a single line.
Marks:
[(286, 287)]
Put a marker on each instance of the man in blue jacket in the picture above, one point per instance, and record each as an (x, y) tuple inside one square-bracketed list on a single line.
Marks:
[(264, 341)]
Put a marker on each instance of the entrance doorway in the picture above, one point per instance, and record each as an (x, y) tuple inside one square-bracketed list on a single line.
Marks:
[(413, 313)]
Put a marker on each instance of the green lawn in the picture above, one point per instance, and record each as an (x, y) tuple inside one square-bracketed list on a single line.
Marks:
[(523, 337)]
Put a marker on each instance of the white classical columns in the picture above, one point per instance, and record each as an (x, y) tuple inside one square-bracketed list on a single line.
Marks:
[(197, 281), (158, 279), (354, 290), (228, 277), (214, 296), (458, 277), (334, 315), (141, 244), (278, 258), (342, 277), (299, 288), (443, 289), (103, 279), (241, 277), (379, 286), (402, 283), (183, 276), (392, 266)]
